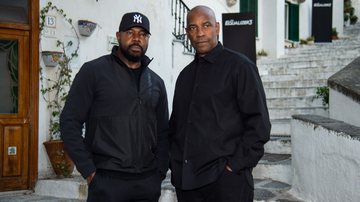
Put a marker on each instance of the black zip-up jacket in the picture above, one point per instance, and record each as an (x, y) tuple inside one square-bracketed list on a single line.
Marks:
[(126, 119), (219, 118)]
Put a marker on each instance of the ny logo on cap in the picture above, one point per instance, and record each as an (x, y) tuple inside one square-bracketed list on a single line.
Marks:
[(137, 18)]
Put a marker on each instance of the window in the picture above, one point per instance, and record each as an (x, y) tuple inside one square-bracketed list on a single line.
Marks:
[(14, 11)]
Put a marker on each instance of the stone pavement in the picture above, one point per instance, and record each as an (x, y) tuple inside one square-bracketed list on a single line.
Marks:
[(265, 190), (269, 190)]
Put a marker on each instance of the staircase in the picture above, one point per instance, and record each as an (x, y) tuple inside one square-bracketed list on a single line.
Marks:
[(290, 84)]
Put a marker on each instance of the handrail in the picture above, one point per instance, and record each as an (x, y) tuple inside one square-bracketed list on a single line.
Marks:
[(179, 11)]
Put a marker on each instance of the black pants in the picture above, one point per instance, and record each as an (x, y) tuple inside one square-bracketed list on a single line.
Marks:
[(104, 188), (230, 187)]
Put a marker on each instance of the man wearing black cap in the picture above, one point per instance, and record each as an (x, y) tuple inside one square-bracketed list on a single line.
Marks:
[(123, 104)]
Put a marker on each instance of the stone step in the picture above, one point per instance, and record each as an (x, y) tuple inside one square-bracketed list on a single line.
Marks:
[(327, 53), (71, 188), (270, 190), (26, 196), (286, 113), (322, 49), (295, 62), (290, 92), (280, 127), (294, 76), (168, 193), (278, 144), (75, 189), (318, 48), (301, 71), (295, 83), (343, 43), (275, 167), (293, 102)]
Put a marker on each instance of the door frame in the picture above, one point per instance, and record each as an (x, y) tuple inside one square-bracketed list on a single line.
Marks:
[(32, 27), (34, 92)]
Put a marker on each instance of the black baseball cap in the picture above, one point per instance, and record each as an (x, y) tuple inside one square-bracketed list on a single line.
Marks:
[(134, 19)]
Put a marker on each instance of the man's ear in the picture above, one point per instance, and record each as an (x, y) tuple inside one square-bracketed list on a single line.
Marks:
[(118, 36), (217, 26)]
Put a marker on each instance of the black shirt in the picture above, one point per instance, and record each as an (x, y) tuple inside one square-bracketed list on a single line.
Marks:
[(219, 118)]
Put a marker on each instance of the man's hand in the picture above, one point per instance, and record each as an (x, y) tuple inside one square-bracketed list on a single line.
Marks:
[(90, 177)]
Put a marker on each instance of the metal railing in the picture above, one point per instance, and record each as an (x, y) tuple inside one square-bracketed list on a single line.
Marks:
[(179, 11)]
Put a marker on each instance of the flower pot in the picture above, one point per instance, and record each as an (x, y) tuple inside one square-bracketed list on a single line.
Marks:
[(86, 27), (51, 58), (62, 165)]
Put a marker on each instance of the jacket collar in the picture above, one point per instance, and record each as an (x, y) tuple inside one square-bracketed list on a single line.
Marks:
[(145, 60), (213, 54)]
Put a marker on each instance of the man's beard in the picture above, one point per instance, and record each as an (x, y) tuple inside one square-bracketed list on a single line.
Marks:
[(131, 57)]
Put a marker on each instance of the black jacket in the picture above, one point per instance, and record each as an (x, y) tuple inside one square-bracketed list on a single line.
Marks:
[(219, 118), (126, 120)]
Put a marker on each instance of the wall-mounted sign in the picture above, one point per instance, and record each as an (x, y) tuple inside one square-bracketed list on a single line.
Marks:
[(239, 33), (50, 21), (322, 20)]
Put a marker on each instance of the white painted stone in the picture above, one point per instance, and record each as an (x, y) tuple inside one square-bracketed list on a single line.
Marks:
[(325, 164), (280, 127), (72, 188), (167, 196), (344, 108), (280, 172), (278, 145)]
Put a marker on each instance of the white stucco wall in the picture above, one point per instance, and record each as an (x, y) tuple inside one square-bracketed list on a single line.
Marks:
[(338, 16), (178, 63), (273, 35), (343, 108), (260, 27), (326, 164), (305, 11)]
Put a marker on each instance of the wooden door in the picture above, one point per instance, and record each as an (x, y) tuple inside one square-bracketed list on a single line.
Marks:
[(18, 94)]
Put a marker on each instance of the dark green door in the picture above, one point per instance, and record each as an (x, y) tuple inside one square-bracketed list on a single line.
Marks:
[(293, 26), (250, 6)]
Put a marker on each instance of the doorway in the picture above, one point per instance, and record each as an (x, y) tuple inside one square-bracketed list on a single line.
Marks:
[(19, 81), (291, 21)]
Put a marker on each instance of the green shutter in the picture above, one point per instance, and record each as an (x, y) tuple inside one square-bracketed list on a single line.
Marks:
[(294, 22), (250, 6), (244, 5)]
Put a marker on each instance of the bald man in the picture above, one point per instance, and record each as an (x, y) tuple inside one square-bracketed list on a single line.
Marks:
[(220, 121)]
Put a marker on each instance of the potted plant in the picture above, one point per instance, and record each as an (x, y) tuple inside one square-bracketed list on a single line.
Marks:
[(54, 89), (262, 52), (51, 58), (334, 34), (310, 40), (349, 13), (346, 19), (86, 27), (353, 19)]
